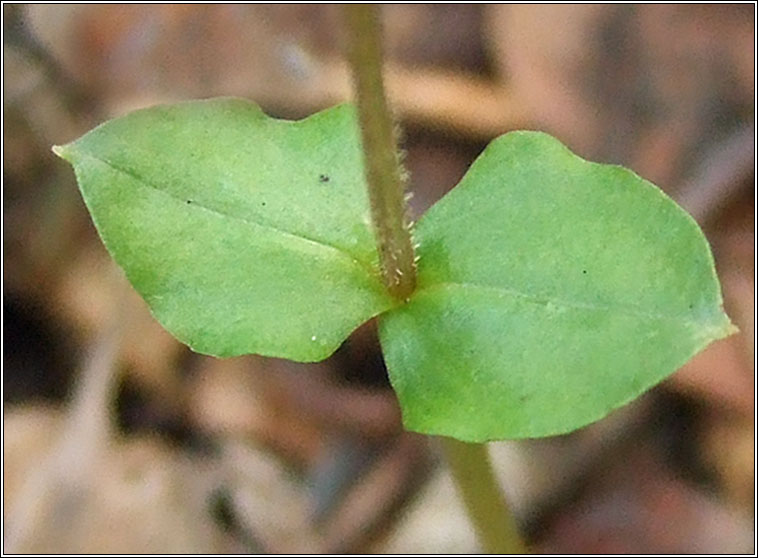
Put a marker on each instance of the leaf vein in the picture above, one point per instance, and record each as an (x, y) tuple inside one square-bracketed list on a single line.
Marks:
[(544, 300), (141, 181)]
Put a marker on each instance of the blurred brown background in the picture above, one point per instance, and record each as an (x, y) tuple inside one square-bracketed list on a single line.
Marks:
[(118, 439)]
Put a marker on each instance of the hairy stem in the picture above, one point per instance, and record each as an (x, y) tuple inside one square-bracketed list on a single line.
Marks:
[(384, 174), (485, 504)]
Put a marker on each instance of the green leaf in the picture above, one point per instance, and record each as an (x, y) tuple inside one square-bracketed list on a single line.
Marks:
[(244, 234), (551, 290)]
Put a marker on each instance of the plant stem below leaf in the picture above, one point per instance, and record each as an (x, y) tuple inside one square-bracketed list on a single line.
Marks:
[(385, 178), (485, 504)]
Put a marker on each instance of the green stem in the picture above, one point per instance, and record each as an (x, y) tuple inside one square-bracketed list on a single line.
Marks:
[(485, 504), (384, 173)]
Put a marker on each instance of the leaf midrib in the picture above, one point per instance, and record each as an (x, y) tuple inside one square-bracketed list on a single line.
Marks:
[(541, 300), (141, 181), (544, 300)]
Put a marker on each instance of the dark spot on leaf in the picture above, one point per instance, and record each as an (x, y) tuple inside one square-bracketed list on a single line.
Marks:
[(584, 271), (523, 398), (263, 204), (189, 201), (323, 178)]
